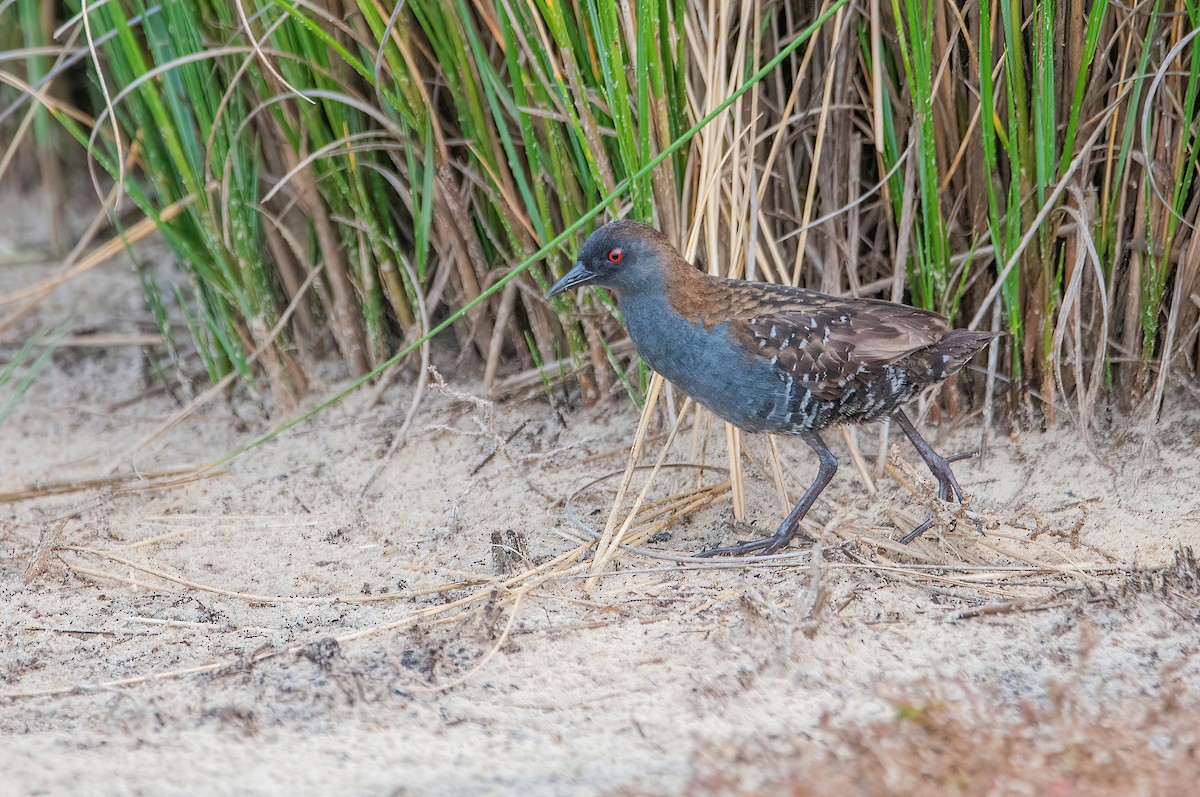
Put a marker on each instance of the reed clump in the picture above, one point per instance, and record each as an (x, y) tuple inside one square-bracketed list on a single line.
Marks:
[(343, 178)]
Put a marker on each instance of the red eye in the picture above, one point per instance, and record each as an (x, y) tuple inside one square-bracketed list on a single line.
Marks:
[(615, 256)]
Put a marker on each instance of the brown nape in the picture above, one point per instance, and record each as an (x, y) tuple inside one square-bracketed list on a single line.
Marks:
[(690, 292)]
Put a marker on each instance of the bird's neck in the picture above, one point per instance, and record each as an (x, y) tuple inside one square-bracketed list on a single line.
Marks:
[(691, 293), (664, 337), (678, 307)]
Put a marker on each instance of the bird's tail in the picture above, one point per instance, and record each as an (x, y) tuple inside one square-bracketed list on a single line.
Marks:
[(954, 350)]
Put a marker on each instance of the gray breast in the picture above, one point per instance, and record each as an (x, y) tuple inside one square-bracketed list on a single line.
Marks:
[(716, 372)]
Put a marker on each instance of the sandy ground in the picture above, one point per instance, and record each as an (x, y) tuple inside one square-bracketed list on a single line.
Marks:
[(656, 679)]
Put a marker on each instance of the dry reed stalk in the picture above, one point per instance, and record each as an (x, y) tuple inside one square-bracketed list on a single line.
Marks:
[(33, 294), (785, 501), (319, 600), (635, 453), (815, 170), (117, 485), (850, 436), (45, 547), (268, 340), (607, 548), (558, 566)]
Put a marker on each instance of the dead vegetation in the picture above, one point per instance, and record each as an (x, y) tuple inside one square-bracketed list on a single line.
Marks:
[(1066, 746)]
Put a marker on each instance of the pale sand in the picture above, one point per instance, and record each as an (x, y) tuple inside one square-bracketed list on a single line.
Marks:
[(643, 681)]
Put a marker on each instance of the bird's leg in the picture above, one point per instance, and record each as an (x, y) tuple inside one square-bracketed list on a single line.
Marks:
[(791, 524), (939, 466)]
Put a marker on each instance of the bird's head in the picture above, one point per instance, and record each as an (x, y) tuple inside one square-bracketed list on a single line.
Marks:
[(627, 256)]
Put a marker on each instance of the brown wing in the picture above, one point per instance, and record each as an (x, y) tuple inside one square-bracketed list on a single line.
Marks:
[(826, 342)]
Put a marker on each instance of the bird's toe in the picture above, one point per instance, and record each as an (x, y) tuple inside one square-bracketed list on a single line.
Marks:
[(763, 547), (918, 531)]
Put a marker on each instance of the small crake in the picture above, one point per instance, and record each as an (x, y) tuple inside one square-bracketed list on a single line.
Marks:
[(772, 358)]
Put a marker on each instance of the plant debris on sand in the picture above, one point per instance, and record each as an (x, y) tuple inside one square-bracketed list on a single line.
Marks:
[(432, 631)]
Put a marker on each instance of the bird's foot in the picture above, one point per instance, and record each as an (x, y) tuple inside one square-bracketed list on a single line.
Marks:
[(947, 484), (763, 547), (959, 510)]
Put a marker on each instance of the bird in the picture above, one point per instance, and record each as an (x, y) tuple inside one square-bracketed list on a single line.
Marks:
[(775, 358)]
